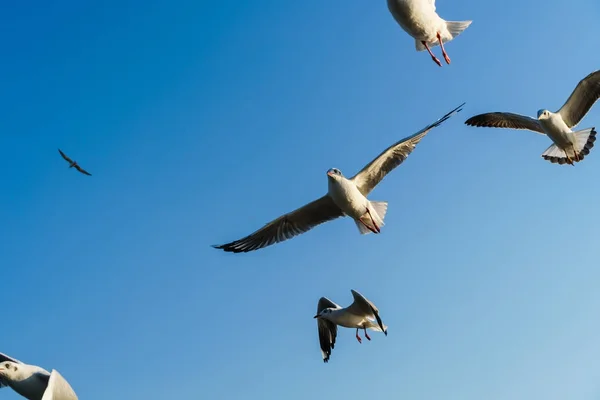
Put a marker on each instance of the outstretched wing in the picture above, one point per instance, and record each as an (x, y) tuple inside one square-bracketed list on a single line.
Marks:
[(58, 388), (505, 120), (392, 157), (327, 329), (364, 307), (65, 156), (581, 100), (82, 170), (287, 226)]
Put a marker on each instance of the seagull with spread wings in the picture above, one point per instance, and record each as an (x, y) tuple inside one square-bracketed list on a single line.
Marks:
[(361, 314), (345, 197), (420, 20), (33, 382), (73, 163), (568, 146)]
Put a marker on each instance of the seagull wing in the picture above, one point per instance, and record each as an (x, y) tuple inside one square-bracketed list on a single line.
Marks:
[(432, 2), (83, 171), (58, 388), (287, 226), (363, 307), (393, 156), (505, 120), (327, 329), (581, 100), (65, 156)]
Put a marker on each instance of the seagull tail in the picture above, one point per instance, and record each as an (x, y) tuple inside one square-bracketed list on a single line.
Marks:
[(456, 28), (377, 212), (584, 141), (453, 29)]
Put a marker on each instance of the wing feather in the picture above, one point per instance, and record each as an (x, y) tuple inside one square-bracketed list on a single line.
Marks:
[(287, 226), (586, 93), (505, 120), (393, 156)]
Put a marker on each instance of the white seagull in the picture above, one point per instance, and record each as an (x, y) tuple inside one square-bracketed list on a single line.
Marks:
[(361, 314), (344, 197), (419, 19), (33, 382), (569, 146)]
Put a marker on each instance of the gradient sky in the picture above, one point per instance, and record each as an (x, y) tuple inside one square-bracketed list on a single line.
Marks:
[(202, 121)]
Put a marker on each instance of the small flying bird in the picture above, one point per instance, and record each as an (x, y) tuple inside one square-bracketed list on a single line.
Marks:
[(33, 382), (419, 19), (569, 147), (361, 314), (73, 163), (344, 197)]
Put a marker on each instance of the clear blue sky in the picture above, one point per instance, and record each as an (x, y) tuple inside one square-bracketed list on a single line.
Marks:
[(201, 121)]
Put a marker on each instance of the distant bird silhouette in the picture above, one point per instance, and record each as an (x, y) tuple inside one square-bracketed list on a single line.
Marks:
[(73, 163)]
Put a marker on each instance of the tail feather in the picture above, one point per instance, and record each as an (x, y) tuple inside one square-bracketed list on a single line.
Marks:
[(584, 141), (380, 208), (377, 210), (454, 28)]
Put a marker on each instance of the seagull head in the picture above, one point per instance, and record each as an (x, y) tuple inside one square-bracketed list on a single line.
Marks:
[(9, 371), (324, 313), (543, 114), (334, 173)]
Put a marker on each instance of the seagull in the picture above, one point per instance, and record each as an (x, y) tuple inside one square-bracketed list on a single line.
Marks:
[(345, 197), (361, 314), (419, 19), (73, 163), (33, 382), (569, 146)]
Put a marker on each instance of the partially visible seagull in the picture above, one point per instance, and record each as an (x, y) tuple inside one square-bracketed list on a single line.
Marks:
[(33, 382), (361, 314), (419, 19), (73, 163), (344, 197), (569, 146)]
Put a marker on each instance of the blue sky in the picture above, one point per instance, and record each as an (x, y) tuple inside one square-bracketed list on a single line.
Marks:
[(201, 121)]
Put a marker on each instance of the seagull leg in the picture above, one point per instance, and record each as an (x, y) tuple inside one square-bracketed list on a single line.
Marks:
[(366, 335), (367, 226), (373, 221), (443, 50), (358, 337), (434, 58)]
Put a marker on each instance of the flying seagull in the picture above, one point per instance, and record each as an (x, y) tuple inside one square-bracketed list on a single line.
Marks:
[(344, 197), (33, 382), (361, 314), (73, 163), (419, 19), (569, 146)]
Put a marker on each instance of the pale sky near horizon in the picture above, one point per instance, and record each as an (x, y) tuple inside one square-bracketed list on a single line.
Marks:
[(202, 121)]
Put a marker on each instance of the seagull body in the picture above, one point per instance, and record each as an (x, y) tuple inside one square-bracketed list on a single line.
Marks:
[(361, 314), (33, 382), (73, 163), (368, 215), (345, 197), (420, 20), (569, 146)]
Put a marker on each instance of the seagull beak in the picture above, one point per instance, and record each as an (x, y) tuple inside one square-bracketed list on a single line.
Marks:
[(329, 173), (316, 316)]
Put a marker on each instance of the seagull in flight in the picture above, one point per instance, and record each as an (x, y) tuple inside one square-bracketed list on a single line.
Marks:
[(569, 147), (420, 20), (361, 314), (33, 382), (345, 197), (73, 163)]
